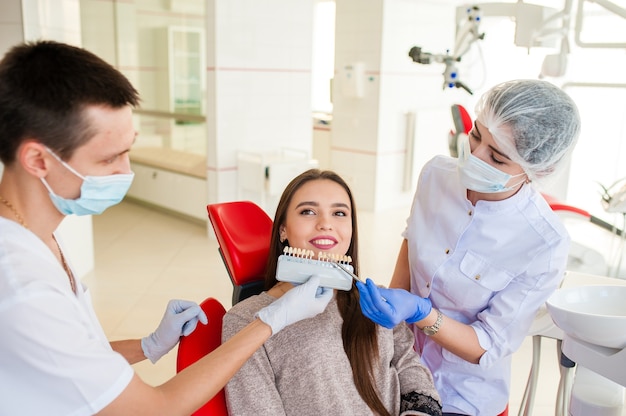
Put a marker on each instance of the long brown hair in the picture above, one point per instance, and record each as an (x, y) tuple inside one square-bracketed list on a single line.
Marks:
[(360, 341)]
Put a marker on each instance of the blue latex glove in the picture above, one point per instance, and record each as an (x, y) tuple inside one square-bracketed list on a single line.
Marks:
[(302, 302), (389, 307), (180, 319)]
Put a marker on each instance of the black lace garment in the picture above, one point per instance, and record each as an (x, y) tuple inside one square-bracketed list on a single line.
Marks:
[(420, 403)]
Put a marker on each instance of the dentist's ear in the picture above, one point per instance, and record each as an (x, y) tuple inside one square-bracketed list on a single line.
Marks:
[(33, 157)]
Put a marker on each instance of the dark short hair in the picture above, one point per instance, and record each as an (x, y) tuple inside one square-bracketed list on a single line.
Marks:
[(45, 86)]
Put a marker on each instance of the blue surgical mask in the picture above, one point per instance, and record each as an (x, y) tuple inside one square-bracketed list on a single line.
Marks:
[(97, 193), (480, 176)]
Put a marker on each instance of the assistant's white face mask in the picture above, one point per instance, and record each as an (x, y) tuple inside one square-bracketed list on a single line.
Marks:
[(480, 176)]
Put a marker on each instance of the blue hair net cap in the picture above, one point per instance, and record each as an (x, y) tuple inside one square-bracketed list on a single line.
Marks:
[(533, 122)]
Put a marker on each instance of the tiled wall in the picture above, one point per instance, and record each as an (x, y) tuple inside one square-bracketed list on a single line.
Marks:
[(369, 133), (258, 84)]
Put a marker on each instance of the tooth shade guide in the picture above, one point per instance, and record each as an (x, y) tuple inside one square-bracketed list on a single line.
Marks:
[(333, 257), (297, 265), (298, 252), (322, 256)]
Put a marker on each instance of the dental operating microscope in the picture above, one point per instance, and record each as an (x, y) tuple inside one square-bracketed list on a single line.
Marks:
[(468, 34), (535, 25)]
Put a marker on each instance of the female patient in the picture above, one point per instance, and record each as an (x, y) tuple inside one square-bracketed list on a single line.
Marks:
[(340, 362)]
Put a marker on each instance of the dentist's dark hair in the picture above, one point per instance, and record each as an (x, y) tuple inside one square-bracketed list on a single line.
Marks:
[(360, 340), (45, 87)]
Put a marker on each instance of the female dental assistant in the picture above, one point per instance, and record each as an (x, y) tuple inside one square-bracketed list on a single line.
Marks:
[(66, 128), (482, 250)]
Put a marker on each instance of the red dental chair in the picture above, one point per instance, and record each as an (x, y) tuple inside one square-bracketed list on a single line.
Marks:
[(199, 343), (243, 232), (462, 125)]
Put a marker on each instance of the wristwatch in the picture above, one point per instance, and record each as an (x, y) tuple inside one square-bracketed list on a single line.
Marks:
[(434, 328)]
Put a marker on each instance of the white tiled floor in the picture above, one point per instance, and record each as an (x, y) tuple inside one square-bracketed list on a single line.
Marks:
[(145, 257)]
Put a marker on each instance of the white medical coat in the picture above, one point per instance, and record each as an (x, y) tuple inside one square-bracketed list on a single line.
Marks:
[(54, 356), (491, 266)]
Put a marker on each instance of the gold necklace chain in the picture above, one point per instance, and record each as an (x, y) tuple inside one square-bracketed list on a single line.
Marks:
[(20, 219), (65, 266)]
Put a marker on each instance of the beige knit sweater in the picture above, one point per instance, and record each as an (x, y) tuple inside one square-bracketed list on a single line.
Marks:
[(303, 370)]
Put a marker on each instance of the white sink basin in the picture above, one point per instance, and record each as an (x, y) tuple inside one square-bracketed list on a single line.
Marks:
[(594, 314)]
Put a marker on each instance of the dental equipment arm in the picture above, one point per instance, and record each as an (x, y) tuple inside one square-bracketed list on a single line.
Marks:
[(466, 36), (450, 74), (535, 25)]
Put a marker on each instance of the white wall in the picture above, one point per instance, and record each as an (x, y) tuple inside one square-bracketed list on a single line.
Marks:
[(258, 85), (369, 132)]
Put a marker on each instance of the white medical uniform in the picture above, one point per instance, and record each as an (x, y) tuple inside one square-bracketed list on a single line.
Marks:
[(54, 356), (490, 266)]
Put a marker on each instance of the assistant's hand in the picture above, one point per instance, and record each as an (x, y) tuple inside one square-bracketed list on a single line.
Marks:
[(389, 307), (301, 302), (180, 319)]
